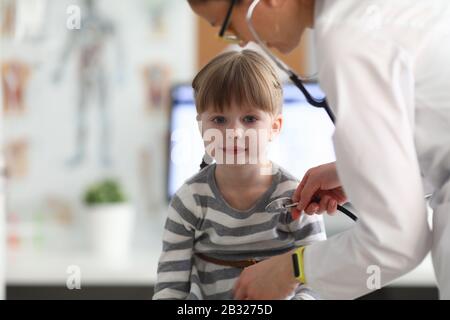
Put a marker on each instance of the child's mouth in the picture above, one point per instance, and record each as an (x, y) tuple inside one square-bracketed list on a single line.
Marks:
[(234, 150)]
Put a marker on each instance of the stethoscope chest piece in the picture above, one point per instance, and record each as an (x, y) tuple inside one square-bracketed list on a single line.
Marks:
[(280, 205), (285, 204)]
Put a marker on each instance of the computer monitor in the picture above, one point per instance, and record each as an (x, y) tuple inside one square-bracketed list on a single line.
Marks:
[(305, 140)]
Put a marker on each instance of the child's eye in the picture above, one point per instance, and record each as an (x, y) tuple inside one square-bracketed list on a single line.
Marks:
[(250, 119), (219, 120)]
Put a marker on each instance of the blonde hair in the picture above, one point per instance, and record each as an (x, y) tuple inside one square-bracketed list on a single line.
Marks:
[(244, 78)]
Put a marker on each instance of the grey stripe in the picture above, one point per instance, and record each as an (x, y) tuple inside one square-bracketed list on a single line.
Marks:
[(167, 246), (216, 275), (177, 228), (283, 235), (182, 265), (222, 230), (285, 176), (233, 256), (260, 248), (184, 212), (192, 296), (227, 295), (183, 286), (201, 176), (308, 230), (285, 218), (285, 194), (208, 202), (196, 289)]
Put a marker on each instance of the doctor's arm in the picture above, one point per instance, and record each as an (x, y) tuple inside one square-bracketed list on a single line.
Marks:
[(370, 85)]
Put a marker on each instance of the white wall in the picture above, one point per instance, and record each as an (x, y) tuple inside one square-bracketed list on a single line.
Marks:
[(2, 209), (48, 124)]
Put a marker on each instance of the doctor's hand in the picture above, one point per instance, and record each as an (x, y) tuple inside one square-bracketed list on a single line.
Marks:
[(320, 190), (270, 279)]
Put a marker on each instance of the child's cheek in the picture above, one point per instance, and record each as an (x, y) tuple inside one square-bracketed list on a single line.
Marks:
[(213, 140), (259, 147)]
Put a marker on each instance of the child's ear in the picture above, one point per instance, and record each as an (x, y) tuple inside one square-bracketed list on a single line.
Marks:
[(277, 123)]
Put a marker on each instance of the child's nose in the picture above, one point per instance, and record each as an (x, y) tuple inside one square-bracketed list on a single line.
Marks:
[(235, 133)]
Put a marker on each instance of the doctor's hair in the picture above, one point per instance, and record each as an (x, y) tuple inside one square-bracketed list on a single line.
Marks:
[(242, 78)]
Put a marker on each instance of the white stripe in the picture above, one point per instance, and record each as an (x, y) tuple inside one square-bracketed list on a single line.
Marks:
[(175, 217), (171, 237), (202, 189), (174, 276), (230, 222), (305, 220), (219, 286), (187, 199), (170, 294), (283, 187), (196, 290), (176, 255), (262, 240)]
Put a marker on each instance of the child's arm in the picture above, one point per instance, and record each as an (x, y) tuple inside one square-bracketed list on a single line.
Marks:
[(175, 263)]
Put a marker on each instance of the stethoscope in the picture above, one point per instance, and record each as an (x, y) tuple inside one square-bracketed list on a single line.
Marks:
[(318, 103), (286, 203)]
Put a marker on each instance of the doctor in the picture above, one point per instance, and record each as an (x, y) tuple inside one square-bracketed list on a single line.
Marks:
[(385, 68)]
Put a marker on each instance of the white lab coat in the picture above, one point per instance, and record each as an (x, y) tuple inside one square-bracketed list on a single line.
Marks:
[(385, 67)]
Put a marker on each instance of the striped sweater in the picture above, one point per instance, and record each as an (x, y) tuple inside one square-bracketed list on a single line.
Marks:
[(200, 221)]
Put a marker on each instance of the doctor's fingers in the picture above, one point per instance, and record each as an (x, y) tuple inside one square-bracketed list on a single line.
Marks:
[(339, 195), (327, 204), (300, 187), (306, 194), (332, 207), (239, 290), (312, 208), (295, 213), (323, 203)]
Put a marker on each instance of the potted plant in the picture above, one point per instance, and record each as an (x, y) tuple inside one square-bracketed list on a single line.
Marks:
[(110, 217)]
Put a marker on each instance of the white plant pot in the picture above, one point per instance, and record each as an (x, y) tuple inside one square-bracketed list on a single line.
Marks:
[(111, 229)]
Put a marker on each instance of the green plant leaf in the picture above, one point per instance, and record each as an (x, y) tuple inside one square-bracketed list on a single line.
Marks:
[(103, 192)]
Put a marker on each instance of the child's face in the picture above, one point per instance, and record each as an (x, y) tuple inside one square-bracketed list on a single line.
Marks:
[(238, 135)]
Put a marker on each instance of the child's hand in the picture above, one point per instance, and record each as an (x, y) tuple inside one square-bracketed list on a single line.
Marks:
[(320, 190), (267, 280)]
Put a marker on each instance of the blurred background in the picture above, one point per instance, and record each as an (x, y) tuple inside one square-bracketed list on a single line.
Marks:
[(97, 130)]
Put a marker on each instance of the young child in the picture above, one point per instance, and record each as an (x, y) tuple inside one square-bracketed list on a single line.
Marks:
[(217, 224)]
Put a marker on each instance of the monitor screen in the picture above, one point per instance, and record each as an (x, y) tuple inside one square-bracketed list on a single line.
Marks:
[(305, 140)]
